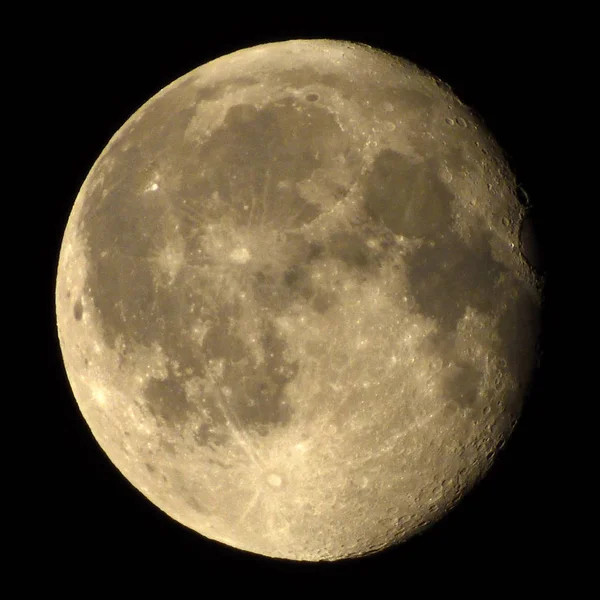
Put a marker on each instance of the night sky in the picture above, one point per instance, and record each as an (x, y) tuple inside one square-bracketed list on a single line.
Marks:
[(88, 519)]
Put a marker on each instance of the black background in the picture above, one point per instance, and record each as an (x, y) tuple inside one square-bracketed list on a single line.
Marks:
[(87, 522)]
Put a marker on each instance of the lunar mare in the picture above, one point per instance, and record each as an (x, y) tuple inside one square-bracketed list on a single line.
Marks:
[(292, 301)]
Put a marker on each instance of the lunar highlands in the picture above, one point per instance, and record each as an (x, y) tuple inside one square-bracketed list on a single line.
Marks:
[(293, 302)]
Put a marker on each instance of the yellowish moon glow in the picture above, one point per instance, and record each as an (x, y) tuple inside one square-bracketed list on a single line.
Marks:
[(292, 301)]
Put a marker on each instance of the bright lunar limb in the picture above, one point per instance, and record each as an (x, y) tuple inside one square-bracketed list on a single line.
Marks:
[(293, 303)]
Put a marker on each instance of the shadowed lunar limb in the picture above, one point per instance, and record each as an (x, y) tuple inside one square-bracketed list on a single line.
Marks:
[(295, 300)]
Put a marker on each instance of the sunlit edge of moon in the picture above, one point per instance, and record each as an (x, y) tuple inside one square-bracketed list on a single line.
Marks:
[(338, 52)]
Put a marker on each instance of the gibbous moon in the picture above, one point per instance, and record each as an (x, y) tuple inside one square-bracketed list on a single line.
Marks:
[(293, 302)]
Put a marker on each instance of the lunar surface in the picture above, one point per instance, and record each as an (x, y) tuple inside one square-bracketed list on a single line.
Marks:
[(293, 301)]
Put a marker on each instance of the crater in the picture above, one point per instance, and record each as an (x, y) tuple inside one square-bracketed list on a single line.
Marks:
[(274, 480), (78, 310), (244, 161), (311, 97)]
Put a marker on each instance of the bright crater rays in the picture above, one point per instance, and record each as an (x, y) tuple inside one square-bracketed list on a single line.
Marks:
[(292, 300)]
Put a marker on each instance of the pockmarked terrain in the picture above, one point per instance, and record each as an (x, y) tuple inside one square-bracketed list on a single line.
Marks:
[(293, 302)]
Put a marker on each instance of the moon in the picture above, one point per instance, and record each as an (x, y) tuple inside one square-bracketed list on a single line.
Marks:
[(295, 300)]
